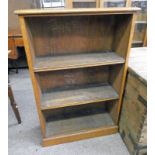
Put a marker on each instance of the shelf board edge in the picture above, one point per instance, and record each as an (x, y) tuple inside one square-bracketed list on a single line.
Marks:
[(76, 66), (44, 108)]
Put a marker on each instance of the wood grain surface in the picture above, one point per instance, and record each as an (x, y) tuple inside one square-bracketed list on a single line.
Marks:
[(76, 61), (78, 96), (84, 11)]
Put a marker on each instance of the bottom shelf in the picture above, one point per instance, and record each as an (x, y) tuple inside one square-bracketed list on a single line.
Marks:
[(80, 135), (72, 128)]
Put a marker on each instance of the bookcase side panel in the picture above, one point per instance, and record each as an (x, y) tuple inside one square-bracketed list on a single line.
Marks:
[(122, 45), (27, 45)]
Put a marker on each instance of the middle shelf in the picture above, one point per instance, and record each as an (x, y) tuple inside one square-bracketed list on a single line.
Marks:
[(77, 96), (71, 61)]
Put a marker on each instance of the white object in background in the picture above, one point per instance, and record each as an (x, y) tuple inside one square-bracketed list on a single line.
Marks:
[(53, 3)]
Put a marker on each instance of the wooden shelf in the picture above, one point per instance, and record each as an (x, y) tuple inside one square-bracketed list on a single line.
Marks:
[(74, 127), (78, 96), (76, 61), (77, 124)]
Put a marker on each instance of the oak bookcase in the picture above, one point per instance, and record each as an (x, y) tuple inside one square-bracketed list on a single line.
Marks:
[(78, 62)]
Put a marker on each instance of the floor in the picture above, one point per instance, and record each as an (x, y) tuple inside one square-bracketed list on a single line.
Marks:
[(25, 139)]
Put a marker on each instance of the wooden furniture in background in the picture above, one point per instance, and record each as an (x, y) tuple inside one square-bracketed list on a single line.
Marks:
[(145, 39), (13, 104), (133, 122), (85, 3), (140, 32), (15, 41), (14, 34), (78, 61), (114, 3), (13, 53)]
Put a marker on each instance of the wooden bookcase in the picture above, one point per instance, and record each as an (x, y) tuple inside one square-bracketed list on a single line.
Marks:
[(77, 61)]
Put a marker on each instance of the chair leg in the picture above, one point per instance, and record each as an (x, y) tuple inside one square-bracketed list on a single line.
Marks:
[(16, 65), (13, 104)]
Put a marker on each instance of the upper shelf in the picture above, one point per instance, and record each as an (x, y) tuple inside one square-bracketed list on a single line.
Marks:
[(88, 11), (76, 61)]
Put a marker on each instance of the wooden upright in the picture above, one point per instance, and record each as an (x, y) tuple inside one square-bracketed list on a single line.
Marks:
[(78, 62)]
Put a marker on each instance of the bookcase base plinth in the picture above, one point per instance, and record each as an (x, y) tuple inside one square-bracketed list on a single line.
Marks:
[(79, 136)]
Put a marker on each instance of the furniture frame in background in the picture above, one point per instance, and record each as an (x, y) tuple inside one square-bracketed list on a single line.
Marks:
[(13, 53), (15, 33), (13, 104), (140, 37), (133, 119), (77, 69)]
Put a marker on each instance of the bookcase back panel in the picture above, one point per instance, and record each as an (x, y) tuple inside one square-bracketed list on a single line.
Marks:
[(69, 34), (75, 111), (72, 78), (62, 35), (75, 119), (115, 77)]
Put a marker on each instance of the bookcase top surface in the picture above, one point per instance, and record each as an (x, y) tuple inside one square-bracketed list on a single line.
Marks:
[(85, 11)]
